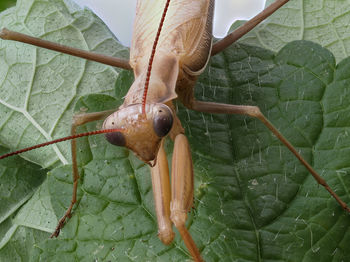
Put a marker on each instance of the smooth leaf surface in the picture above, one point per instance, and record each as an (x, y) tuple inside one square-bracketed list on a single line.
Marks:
[(322, 21), (253, 200)]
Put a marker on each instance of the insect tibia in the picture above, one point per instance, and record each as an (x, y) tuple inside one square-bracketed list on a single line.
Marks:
[(3, 33), (6, 34)]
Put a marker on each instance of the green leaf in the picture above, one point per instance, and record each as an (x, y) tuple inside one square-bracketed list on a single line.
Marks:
[(21, 246), (253, 200), (322, 21), (6, 4), (18, 181), (16, 189), (40, 104)]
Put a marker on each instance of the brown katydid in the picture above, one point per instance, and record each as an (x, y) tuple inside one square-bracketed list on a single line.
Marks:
[(187, 100)]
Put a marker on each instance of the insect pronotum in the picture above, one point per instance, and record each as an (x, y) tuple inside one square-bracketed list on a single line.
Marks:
[(183, 49)]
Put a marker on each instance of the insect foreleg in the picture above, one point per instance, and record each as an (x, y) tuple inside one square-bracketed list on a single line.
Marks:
[(162, 196), (78, 120), (254, 111), (182, 188)]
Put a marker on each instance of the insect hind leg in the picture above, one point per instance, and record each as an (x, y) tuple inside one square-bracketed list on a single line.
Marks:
[(254, 111)]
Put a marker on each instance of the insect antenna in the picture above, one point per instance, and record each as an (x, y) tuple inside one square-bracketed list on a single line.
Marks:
[(96, 132), (150, 62)]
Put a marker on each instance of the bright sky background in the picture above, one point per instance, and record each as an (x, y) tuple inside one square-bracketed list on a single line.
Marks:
[(119, 14)]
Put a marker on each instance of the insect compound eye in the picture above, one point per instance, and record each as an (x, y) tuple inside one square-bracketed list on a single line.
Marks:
[(116, 138), (162, 121)]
